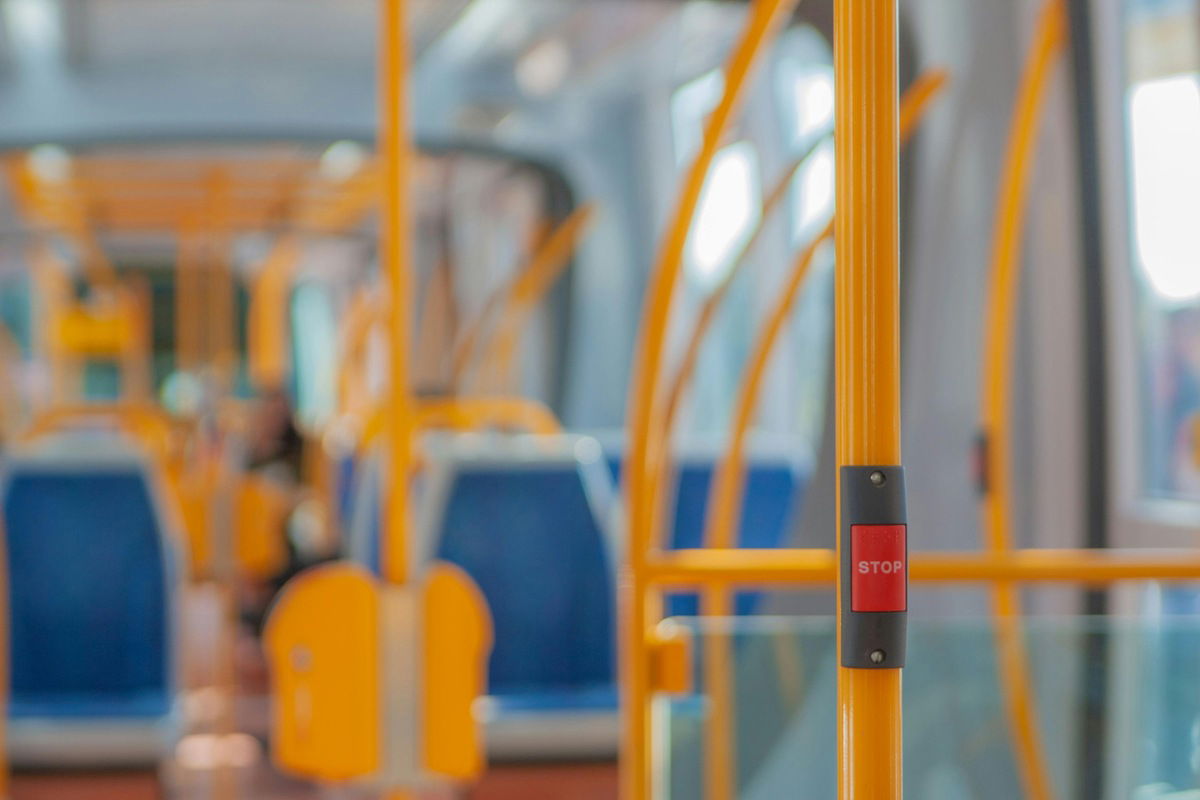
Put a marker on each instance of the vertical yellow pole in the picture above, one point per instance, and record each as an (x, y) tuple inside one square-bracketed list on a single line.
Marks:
[(868, 347), (394, 235), (394, 157)]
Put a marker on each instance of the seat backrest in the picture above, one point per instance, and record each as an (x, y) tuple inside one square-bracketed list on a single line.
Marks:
[(531, 526), (91, 575), (774, 491), (532, 538)]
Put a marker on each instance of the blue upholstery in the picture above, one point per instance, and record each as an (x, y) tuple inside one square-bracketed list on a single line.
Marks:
[(530, 539), (774, 487), (91, 625)]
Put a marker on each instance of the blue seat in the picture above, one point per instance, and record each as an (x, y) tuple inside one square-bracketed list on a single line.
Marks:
[(774, 490), (530, 526), (532, 540), (92, 576)]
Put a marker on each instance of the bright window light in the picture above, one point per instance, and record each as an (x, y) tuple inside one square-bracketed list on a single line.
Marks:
[(1165, 141), (33, 24), (545, 67), (729, 208), (813, 193), (812, 101), (316, 356)]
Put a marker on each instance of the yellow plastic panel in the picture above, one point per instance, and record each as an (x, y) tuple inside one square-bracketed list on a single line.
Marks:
[(671, 658), (458, 641), (262, 510), (87, 332), (322, 645)]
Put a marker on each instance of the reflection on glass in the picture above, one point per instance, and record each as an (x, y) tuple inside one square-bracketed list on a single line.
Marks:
[(956, 737), (1163, 108)]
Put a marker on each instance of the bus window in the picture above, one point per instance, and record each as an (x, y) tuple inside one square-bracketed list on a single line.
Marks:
[(315, 341), (1163, 109)]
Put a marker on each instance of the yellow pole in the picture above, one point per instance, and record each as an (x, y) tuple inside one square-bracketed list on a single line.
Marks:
[(1003, 293), (644, 419), (394, 157), (868, 348), (394, 240)]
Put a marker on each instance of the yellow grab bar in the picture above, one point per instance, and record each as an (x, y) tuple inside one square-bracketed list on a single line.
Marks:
[(394, 241), (1050, 38), (678, 569), (867, 363), (471, 414)]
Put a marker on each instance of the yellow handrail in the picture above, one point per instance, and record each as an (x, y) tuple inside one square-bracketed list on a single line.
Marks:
[(394, 234), (1004, 281), (683, 569), (365, 313), (146, 423), (470, 414), (867, 363), (516, 299), (646, 410), (476, 413)]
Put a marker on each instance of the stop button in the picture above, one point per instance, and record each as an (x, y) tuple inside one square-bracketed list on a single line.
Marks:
[(879, 564)]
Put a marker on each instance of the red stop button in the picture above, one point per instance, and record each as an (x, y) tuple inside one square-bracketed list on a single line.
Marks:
[(879, 566)]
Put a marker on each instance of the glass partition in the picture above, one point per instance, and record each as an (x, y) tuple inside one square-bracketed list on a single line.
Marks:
[(1146, 708)]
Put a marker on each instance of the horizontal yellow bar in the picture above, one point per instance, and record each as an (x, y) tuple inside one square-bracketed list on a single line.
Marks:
[(818, 567)]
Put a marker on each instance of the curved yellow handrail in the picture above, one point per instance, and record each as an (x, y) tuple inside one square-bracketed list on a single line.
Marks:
[(366, 312), (646, 410), (517, 299), (471, 414), (146, 423), (996, 409), (488, 412)]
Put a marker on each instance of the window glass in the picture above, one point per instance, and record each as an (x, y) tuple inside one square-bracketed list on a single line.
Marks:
[(315, 343), (1163, 108)]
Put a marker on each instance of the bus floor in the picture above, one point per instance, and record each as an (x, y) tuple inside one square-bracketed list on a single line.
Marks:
[(525, 782), (191, 775)]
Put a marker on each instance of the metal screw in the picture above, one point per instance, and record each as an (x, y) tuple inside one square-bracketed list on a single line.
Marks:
[(878, 656), (878, 478), (302, 659)]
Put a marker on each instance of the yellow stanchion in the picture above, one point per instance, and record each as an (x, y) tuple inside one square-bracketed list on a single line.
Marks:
[(394, 233), (1003, 294), (867, 362)]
